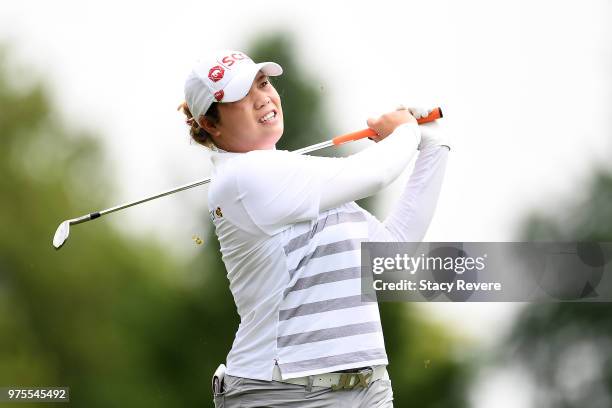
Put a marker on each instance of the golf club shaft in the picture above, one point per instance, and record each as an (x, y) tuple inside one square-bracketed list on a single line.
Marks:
[(349, 137)]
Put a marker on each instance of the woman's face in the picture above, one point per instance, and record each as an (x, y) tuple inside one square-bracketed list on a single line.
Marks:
[(253, 123)]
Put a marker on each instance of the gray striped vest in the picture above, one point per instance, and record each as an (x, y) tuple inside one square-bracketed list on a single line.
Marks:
[(323, 324)]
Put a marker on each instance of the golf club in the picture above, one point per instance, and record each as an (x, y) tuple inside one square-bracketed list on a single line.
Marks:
[(62, 232)]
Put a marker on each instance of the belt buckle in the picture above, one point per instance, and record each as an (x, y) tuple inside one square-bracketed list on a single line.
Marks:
[(349, 381)]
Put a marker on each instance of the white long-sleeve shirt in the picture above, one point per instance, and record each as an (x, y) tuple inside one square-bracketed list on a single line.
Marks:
[(290, 235)]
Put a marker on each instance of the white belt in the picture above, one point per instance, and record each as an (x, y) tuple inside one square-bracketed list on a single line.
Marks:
[(337, 381)]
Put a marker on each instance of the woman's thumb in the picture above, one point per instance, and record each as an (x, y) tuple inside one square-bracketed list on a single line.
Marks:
[(372, 122)]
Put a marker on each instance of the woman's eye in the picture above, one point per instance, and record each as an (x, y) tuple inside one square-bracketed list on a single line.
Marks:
[(264, 83)]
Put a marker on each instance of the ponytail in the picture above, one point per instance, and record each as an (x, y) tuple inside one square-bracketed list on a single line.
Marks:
[(197, 133)]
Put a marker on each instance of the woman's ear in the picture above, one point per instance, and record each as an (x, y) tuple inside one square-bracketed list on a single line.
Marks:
[(209, 126)]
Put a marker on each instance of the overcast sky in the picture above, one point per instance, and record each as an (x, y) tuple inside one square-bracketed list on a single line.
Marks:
[(525, 87)]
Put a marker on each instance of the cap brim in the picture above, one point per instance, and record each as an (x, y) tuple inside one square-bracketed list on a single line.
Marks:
[(240, 85)]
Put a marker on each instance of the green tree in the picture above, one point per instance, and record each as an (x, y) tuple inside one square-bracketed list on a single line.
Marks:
[(567, 347), (107, 316)]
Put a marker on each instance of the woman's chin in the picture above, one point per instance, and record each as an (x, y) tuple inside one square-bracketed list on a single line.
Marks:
[(276, 134), (268, 140)]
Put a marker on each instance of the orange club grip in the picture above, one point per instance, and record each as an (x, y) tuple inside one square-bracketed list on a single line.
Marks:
[(360, 134)]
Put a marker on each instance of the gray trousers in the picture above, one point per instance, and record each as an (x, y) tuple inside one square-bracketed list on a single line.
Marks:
[(248, 393)]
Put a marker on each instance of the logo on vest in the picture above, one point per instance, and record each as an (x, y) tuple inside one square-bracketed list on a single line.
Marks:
[(216, 213)]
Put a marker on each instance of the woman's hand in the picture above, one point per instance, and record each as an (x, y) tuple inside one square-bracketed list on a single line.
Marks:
[(431, 133), (388, 122)]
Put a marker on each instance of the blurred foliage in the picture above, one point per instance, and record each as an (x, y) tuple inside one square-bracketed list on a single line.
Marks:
[(114, 317), (106, 315), (567, 347), (424, 365)]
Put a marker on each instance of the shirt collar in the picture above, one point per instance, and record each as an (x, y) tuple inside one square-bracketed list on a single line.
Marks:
[(219, 156)]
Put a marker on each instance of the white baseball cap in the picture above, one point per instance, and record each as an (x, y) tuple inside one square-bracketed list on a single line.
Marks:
[(223, 76)]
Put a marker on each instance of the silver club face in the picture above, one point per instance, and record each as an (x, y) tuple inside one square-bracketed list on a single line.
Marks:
[(61, 234)]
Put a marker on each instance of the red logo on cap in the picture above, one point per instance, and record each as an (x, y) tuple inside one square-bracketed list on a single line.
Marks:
[(219, 95), (231, 59), (216, 73)]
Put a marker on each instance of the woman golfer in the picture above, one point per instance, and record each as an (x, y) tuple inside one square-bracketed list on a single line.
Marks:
[(290, 234)]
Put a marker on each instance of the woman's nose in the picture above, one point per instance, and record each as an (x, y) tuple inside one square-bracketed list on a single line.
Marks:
[(263, 102)]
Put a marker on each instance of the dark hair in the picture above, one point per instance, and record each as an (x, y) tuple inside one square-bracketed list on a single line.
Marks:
[(197, 133)]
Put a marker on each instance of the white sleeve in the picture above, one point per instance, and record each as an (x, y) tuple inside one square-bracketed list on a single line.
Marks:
[(279, 188), (411, 215)]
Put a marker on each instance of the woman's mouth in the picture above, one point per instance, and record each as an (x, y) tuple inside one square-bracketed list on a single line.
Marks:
[(269, 117)]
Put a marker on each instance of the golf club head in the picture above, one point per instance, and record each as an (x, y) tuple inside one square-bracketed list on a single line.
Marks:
[(61, 234)]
